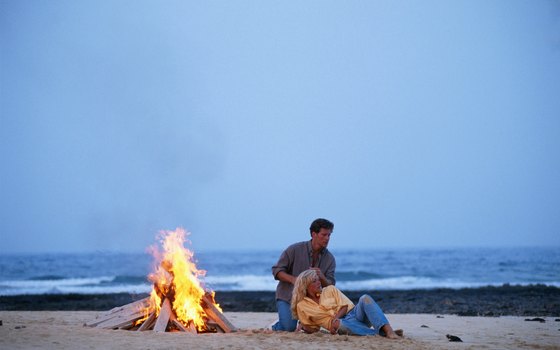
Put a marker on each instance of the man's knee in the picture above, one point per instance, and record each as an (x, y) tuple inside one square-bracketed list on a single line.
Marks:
[(288, 325)]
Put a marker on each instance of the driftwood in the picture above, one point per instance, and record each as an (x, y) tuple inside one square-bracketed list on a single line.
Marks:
[(134, 306), (122, 316), (121, 321)]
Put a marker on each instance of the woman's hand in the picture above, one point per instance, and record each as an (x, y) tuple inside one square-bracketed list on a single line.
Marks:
[(307, 329), (335, 324)]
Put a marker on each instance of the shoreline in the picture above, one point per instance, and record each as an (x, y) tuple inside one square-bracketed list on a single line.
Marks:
[(506, 300)]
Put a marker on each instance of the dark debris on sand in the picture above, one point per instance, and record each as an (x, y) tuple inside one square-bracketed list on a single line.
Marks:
[(453, 338)]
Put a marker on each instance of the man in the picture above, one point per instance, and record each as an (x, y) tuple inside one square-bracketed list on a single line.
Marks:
[(300, 257)]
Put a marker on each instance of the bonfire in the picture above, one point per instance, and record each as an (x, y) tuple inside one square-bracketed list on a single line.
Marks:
[(178, 301)]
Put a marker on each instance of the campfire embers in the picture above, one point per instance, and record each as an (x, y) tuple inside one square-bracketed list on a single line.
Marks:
[(177, 301)]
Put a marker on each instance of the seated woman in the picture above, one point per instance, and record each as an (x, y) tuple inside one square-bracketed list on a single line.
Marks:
[(328, 307)]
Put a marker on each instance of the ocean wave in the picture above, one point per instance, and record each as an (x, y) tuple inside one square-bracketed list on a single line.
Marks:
[(356, 275), (405, 282), (130, 279), (46, 278), (133, 289), (250, 271), (88, 285), (105, 285), (412, 282), (241, 282), (65, 282)]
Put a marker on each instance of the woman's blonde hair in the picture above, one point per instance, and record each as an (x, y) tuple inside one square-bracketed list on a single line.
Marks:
[(300, 288)]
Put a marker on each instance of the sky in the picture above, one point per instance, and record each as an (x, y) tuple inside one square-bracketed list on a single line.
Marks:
[(406, 123)]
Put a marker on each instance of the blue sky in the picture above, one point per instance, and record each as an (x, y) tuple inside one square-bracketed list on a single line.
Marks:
[(406, 123)]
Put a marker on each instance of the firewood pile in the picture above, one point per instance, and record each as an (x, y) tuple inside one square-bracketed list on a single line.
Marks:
[(133, 317)]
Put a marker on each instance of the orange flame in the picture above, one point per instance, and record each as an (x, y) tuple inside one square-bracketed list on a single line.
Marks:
[(177, 278)]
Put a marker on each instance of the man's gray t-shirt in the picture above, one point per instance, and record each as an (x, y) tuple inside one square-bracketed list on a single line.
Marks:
[(298, 258)]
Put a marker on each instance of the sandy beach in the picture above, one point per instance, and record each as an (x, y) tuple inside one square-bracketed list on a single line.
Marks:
[(484, 318), (65, 330)]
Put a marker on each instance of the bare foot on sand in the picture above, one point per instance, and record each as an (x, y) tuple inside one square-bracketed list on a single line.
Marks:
[(390, 333)]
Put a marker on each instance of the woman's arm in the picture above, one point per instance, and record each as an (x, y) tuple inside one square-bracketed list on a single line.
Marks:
[(335, 322)]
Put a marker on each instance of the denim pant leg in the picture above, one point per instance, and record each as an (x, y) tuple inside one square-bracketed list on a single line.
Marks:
[(285, 320), (364, 315), (349, 324), (370, 313)]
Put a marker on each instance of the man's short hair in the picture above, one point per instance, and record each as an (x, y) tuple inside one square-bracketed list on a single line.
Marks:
[(320, 223)]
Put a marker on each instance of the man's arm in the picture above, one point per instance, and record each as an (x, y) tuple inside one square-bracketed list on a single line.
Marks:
[(327, 278), (285, 277), (282, 266)]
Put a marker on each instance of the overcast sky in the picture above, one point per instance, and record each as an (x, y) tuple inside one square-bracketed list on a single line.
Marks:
[(406, 123)]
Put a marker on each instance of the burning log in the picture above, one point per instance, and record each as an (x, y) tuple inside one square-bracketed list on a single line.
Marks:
[(190, 329), (163, 318), (177, 301), (216, 315), (148, 323)]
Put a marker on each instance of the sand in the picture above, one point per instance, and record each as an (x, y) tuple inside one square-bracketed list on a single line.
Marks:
[(65, 330)]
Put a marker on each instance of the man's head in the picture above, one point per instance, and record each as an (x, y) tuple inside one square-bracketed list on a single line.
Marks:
[(318, 224), (320, 231)]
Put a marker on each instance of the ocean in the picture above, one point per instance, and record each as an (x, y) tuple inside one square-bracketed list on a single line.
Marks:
[(379, 269)]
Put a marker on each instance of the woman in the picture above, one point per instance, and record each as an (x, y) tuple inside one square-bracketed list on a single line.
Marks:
[(328, 307)]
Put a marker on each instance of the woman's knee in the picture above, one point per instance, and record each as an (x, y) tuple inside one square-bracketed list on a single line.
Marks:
[(366, 299)]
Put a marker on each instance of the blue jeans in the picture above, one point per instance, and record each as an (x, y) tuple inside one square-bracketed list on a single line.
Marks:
[(362, 317), (285, 320)]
